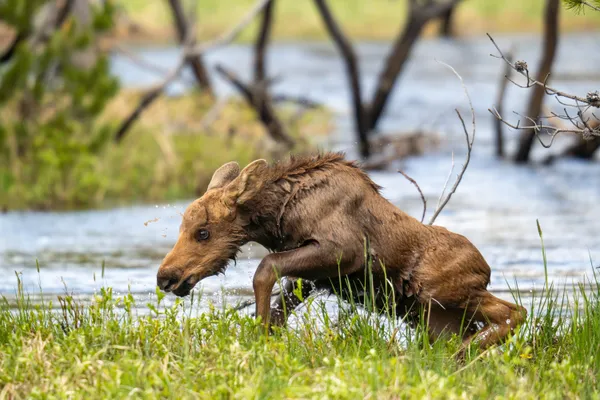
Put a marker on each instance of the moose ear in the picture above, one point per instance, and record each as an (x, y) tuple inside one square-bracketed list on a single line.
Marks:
[(225, 174), (247, 185)]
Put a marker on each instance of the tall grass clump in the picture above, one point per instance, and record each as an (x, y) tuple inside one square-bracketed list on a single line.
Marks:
[(116, 348)]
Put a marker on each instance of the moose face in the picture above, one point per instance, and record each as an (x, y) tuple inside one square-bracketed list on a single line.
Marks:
[(212, 229)]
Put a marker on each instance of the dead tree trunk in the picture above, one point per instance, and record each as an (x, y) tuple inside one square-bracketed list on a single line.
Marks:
[(195, 62), (394, 66), (367, 116), (446, 29), (256, 93), (261, 43), (418, 16), (345, 48), (537, 95)]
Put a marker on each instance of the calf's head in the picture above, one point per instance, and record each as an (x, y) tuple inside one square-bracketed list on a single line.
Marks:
[(212, 229)]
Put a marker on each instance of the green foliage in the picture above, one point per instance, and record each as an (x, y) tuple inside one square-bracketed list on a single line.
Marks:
[(50, 106), (580, 6), (18, 13)]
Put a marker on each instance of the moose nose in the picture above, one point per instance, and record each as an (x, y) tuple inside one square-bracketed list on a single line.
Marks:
[(167, 280)]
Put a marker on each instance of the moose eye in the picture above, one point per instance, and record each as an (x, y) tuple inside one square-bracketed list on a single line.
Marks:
[(202, 234)]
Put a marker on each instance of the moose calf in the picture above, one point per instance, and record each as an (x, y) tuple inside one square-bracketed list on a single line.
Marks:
[(315, 213)]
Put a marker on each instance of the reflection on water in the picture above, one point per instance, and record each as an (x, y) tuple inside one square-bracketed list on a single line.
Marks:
[(496, 205)]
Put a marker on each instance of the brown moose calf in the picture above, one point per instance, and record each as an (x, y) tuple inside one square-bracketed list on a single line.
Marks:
[(315, 213)]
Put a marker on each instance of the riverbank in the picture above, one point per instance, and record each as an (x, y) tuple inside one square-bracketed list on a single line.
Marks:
[(107, 350), (150, 22), (169, 153), (141, 22)]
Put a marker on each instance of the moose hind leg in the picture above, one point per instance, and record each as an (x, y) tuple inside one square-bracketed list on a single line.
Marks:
[(499, 317), (446, 322)]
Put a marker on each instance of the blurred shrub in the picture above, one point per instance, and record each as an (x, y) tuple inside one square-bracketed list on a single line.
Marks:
[(52, 92)]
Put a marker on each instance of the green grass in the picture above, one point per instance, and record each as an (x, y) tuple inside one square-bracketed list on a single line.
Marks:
[(375, 19), (106, 350)]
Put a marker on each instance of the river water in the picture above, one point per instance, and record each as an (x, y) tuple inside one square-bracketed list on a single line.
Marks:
[(496, 205)]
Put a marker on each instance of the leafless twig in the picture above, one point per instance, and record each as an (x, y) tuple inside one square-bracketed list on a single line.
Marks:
[(538, 128), (580, 126), (521, 68), (470, 141), (411, 180)]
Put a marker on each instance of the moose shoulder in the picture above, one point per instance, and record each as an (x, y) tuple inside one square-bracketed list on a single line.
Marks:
[(315, 214)]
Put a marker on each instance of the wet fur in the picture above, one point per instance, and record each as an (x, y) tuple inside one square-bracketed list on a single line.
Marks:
[(324, 203)]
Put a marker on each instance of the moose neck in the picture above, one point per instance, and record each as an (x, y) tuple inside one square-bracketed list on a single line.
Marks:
[(265, 214)]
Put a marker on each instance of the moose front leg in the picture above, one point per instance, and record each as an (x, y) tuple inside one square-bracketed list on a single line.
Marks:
[(312, 261)]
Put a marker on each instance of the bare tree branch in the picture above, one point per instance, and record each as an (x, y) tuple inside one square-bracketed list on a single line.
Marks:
[(148, 98), (411, 180), (470, 141), (184, 31), (262, 41), (419, 15), (368, 115), (521, 68), (197, 50), (586, 132), (256, 96), (347, 51), (233, 33)]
